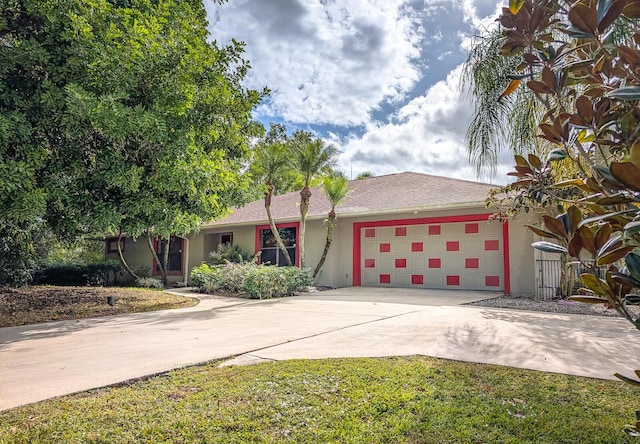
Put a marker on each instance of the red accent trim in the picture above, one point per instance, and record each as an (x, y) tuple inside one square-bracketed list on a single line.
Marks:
[(288, 225), (417, 246), (417, 279), (385, 278), (492, 281), (401, 231), (505, 252), (453, 280), (358, 226), (435, 263), (492, 245), (472, 262), (401, 263), (385, 248), (434, 230), (370, 232), (453, 246), (471, 228), (369, 263), (156, 269)]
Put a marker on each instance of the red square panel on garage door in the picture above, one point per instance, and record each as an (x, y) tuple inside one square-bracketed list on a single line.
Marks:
[(370, 232), (491, 245), (472, 262), (492, 281), (435, 263), (434, 230), (385, 248), (470, 228), (417, 246), (417, 279), (369, 263), (453, 280), (401, 263), (401, 231), (453, 246), (385, 278)]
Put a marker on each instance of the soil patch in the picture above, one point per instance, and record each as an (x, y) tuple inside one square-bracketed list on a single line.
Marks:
[(37, 304)]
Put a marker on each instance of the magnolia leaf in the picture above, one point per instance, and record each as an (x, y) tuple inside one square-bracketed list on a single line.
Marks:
[(574, 216), (541, 232), (513, 85), (554, 225), (521, 161), (575, 246), (587, 238), (625, 93), (613, 243), (632, 227), (515, 5), (625, 279), (632, 299), (583, 18), (587, 299), (606, 216), (627, 379), (557, 154), (593, 283), (602, 235), (613, 200), (585, 136), (614, 256), (627, 173), (608, 12), (549, 247), (633, 265), (569, 183), (535, 161)]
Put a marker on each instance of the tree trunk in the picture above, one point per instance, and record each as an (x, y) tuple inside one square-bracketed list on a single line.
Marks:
[(156, 259), (331, 223), (165, 262), (124, 262), (305, 197), (267, 204)]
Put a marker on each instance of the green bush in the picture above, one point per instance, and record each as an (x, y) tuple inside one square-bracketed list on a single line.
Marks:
[(229, 253), (256, 281), (96, 274), (149, 282)]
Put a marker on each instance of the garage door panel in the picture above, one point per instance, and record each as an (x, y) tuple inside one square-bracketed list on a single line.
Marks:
[(448, 255)]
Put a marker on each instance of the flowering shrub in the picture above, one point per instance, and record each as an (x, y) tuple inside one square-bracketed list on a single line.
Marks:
[(256, 281)]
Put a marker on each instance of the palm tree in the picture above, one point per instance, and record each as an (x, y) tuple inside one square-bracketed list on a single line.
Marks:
[(310, 157), (336, 190), (271, 161)]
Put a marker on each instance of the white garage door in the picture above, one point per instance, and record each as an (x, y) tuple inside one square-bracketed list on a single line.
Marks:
[(465, 255)]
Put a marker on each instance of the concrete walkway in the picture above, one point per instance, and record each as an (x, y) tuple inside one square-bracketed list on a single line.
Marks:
[(46, 360)]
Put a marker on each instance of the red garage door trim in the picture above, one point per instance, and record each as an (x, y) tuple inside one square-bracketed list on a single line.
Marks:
[(357, 244)]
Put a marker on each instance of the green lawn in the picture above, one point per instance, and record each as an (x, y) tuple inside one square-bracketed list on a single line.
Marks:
[(412, 400)]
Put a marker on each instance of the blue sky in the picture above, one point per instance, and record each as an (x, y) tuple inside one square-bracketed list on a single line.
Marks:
[(378, 78)]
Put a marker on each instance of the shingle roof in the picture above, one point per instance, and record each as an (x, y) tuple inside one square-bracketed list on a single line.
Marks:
[(382, 194)]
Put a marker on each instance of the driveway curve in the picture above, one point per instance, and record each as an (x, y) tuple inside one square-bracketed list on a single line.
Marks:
[(47, 360)]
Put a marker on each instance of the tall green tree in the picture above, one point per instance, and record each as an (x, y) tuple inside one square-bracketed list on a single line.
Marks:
[(336, 189), (271, 162), (122, 116), (311, 157)]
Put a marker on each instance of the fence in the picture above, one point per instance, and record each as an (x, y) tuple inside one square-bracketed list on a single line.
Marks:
[(550, 273)]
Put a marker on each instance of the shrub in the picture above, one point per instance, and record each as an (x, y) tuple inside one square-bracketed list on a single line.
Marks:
[(256, 281), (229, 253), (148, 282), (96, 274)]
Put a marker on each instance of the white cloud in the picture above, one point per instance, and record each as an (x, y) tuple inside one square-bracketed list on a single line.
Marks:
[(327, 61)]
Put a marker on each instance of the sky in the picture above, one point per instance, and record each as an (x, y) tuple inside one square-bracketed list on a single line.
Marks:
[(380, 79)]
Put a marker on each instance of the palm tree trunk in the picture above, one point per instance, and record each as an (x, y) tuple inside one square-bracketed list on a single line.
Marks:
[(123, 261), (267, 204), (305, 197), (330, 226)]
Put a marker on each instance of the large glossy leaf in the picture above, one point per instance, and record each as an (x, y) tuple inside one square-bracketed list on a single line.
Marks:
[(608, 13), (587, 299), (613, 243), (632, 227), (542, 233), (569, 183), (607, 216), (602, 235), (625, 279), (614, 256), (515, 5), (575, 246), (535, 161), (583, 18), (557, 154), (593, 283), (625, 93), (549, 247), (626, 173), (633, 265), (574, 216), (627, 380), (554, 225), (513, 85), (521, 161), (587, 238)]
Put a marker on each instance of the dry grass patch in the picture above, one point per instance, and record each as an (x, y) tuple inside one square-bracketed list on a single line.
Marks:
[(33, 305)]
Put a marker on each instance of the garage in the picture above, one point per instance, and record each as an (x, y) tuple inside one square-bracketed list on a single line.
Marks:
[(462, 252)]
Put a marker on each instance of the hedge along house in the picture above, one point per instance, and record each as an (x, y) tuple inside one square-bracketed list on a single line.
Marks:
[(400, 230)]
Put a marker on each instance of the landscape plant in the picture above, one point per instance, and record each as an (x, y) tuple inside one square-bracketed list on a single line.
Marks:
[(581, 61)]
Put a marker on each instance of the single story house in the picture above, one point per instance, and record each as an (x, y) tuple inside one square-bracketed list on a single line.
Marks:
[(399, 230)]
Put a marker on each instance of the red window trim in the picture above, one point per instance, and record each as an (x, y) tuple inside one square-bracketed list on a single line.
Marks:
[(357, 241), (287, 225), (156, 269)]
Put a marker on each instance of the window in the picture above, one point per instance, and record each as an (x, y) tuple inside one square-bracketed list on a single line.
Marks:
[(269, 251), (226, 239), (176, 247), (112, 244)]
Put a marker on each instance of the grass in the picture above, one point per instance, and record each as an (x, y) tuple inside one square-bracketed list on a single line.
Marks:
[(37, 304), (394, 400)]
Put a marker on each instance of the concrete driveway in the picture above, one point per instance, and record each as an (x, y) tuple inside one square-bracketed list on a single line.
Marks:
[(46, 360)]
